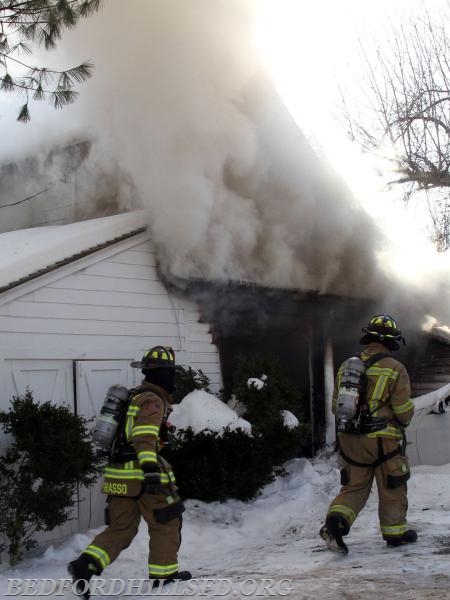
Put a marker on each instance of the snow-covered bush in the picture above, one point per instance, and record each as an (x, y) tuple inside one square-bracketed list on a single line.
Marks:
[(217, 455), (214, 452), (48, 456), (200, 411), (266, 407)]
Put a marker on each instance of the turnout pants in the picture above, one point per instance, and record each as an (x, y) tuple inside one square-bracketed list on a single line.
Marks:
[(391, 476), (123, 523)]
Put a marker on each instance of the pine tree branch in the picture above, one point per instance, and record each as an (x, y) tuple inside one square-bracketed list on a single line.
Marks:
[(43, 22)]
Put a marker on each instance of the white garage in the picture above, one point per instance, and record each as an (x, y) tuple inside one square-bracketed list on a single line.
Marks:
[(77, 303)]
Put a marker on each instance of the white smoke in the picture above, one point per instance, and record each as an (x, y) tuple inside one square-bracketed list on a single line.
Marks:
[(181, 105)]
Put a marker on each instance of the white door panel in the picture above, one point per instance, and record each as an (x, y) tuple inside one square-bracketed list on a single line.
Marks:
[(49, 380), (93, 378)]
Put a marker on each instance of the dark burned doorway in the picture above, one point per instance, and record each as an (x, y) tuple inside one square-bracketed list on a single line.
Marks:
[(294, 327)]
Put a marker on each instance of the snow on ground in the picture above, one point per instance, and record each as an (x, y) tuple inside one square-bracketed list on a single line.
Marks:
[(276, 536), (201, 411)]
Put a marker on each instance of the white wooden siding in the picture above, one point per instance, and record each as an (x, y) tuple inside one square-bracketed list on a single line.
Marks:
[(108, 306), (71, 333)]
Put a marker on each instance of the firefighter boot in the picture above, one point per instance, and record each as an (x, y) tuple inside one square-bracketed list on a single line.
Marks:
[(162, 581), (81, 571), (409, 537), (332, 532)]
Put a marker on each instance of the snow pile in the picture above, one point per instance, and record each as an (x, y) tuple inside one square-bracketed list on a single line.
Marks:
[(256, 382), (431, 401), (201, 411), (289, 419), (27, 250)]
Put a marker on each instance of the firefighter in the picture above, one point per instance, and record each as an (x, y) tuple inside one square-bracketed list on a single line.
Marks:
[(138, 482), (376, 447)]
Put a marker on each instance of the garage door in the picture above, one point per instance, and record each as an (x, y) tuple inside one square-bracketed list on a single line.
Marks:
[(92, 380)]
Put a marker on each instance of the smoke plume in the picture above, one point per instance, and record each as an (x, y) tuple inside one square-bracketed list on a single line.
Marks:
[(180, 102), (184, 121)]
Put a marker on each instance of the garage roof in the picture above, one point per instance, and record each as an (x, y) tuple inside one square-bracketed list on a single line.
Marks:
[(28, 253)]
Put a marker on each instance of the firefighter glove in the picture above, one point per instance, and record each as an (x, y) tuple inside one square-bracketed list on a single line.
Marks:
[(152, 481)]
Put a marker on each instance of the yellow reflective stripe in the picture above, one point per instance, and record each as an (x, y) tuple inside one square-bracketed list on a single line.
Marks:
[(161, 570), (394, 529), (129, 426), (129, 465), (376, 371), (402, 408), (132, 410), (145, 430), (377, 394), (123, 474), (343, 510), (99, 554), (389, 431), (383, 374), (146, 456)]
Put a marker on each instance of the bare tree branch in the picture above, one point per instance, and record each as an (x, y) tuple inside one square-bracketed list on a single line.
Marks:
[(404, 105)]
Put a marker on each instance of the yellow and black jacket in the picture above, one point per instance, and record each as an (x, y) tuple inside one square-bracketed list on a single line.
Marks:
[(387, 393), (148, 408)]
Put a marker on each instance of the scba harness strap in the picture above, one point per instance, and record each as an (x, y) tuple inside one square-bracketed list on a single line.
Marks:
[(122, 450), (382, 457)]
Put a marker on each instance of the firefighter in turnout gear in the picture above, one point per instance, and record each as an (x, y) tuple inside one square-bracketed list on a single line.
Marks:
[(138, 482), (373, 444)]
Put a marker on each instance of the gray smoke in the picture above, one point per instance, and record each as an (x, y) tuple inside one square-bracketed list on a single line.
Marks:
[(181, 104)]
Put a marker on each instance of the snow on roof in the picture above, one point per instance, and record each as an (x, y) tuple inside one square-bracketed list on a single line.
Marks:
[(28, 251), (441, 333), (438, 331)]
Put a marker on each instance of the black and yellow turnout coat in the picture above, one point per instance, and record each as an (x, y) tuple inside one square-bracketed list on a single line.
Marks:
[(149, 406)]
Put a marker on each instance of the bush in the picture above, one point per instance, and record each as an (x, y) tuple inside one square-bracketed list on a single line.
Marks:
[(216, 466), (264, 406), (49, 456), (188, 380), (233, 464)]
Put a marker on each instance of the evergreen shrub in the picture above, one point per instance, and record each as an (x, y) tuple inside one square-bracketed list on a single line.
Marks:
[(48, 456), (189, 380), (213, 466)]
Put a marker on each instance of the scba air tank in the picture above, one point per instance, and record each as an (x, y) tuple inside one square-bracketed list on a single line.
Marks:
[(107, 422), (350, 389)]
